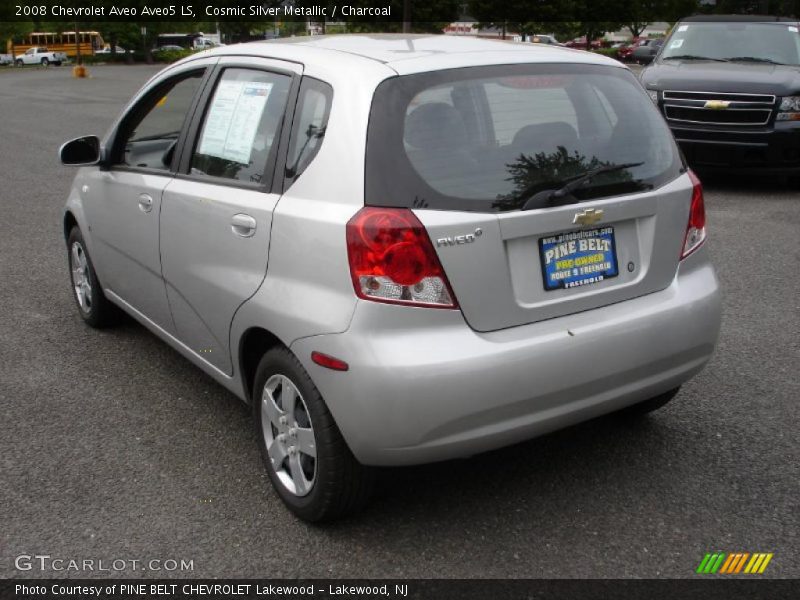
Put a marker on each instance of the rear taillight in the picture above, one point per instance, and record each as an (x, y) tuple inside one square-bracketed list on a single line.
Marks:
[(696, 228), (392, 259)]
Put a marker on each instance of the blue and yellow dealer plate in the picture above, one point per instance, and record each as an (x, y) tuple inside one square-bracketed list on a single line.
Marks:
[(578, 258)]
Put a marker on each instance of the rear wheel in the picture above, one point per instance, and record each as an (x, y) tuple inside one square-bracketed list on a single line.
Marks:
[(45, 62), (648, 406), (93, 306), (306, 457), (19, 62)]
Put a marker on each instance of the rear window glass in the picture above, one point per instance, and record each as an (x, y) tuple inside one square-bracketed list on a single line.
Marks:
[(487, 138)]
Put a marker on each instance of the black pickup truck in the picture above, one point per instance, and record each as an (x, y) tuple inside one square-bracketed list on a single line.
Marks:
[(729, 88)]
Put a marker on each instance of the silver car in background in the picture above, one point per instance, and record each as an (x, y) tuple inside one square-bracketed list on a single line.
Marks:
[(399, 249)]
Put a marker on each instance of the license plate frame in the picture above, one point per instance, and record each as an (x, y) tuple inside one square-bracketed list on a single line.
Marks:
[(592, 259)]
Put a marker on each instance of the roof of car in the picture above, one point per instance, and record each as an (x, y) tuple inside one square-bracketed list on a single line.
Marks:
[(413, 53)]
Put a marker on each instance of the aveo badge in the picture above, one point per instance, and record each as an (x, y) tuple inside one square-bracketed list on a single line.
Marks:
[(457, 240)]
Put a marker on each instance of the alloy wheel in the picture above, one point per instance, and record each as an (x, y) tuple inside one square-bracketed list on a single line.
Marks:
[(81, 282), (289, 435)]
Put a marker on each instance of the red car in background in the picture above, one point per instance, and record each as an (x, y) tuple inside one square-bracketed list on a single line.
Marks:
[(580, 43), (626, 52)]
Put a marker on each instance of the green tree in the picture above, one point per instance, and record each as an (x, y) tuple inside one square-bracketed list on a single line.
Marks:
[(524, 16), (762, 7), (12, 32), (642, 13)]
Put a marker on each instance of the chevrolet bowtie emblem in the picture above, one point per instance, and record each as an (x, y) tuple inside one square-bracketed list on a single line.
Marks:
[(717, 104), (590, 216)]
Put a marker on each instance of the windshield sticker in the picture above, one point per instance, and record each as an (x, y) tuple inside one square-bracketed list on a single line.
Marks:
[(676, 44), (233, 120), (683, 28)]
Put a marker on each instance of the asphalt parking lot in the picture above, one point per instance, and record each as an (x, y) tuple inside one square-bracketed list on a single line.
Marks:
[(115, 447)]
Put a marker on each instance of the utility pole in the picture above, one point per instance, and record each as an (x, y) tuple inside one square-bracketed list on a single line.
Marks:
[(78, 59), (406, 16)]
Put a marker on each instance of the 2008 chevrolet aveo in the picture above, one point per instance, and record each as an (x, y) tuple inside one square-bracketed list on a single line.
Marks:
[(399, 249)]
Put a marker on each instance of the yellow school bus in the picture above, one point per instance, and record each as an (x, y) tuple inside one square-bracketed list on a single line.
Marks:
[(89, 42)]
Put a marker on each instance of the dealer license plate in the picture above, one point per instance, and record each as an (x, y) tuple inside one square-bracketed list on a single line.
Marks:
[(578, 258)]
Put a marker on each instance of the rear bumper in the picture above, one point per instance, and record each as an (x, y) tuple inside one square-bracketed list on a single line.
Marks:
[(423, 386), (770, 151)]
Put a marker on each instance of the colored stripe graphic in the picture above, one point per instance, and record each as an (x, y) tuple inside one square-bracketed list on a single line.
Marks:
[(736, 557), (754, 563), (759, 563), (711, 562), (735, 562), (766, 562), (703, 563), (741, 562), (718, 563), (725, 567)]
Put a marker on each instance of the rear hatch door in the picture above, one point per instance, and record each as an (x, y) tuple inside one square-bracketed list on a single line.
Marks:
[(497, 264), (484, 156)]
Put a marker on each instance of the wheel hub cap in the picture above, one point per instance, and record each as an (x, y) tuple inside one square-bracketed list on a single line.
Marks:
[(289, 435), (81, 282)]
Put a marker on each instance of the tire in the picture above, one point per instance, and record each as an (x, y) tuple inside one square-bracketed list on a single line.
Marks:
[(648, 406), (19, 63), (45, 62), (330, 485), (93, 307)]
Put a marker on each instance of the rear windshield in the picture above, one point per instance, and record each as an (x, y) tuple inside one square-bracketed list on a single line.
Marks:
[(488, 138)]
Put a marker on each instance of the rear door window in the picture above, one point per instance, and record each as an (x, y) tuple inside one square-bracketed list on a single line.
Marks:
[(310, 123), (485, 138)]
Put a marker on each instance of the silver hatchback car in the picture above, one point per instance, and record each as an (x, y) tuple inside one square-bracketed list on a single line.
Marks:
[(399, 249)]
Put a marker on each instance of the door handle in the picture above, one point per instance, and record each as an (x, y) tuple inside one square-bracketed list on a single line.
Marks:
[(243, 225), (145, 202)]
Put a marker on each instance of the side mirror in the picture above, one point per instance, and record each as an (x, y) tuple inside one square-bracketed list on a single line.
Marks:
[(81, 151)]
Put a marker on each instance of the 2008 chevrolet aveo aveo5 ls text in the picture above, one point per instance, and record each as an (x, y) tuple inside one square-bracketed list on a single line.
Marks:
[(399, 249)]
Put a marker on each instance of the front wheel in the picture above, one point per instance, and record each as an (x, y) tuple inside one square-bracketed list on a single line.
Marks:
[(19, 62), (306, 457), (45, 62), (93, 306)]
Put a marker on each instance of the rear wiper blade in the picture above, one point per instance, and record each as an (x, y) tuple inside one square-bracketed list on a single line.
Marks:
[(558, 196), (755, 59), (692, 57)]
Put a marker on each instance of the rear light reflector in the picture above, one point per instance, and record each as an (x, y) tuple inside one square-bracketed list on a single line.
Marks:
[(696, 227), (392, 260), (329, 362)]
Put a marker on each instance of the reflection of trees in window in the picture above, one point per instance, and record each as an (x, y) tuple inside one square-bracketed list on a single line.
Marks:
[(544, 171), (217, 167)]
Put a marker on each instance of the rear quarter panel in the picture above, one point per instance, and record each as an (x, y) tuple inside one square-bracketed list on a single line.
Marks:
[(308, 290)]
